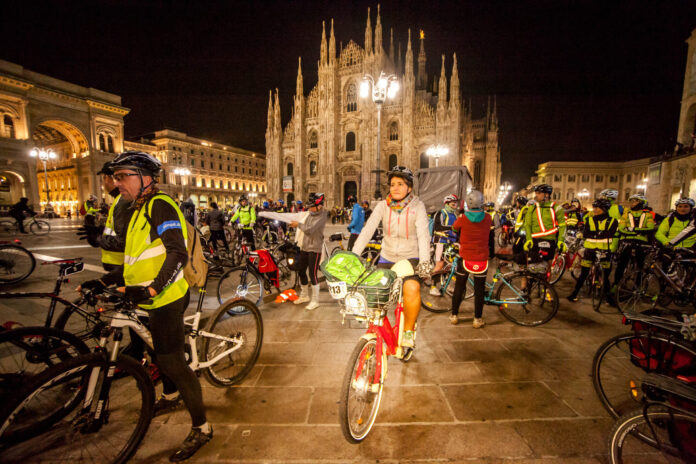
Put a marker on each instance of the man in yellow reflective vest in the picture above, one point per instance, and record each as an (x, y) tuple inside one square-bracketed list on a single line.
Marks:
[(635, 227), (152, 276), (246, 215), (545, 226), (519, 234), (91, 210), (600, 234)]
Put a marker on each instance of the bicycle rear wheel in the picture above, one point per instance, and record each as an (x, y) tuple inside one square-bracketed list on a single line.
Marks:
[(558, 266), (530, 305), (16, 264), (235, 334), (620, 364), (33, 429), (597, 286), (637, 292), (40, 227), (8, 227), (371, 255), (240, 282), (361, 392)]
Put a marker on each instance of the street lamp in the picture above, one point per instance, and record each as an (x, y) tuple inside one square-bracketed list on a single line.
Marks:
[(44, 155), (643, 186), (183, 172), (584, 194), (503, 191), (436, 151), (386, 87)]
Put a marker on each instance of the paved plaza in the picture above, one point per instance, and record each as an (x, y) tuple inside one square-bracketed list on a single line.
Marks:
[(503, 393)]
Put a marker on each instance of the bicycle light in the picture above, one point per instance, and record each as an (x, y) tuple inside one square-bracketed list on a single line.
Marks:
[(291, 261), (634, 389), (356, 304)]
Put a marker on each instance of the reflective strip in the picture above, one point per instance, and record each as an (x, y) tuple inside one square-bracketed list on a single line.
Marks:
[(632, 220), (600, 240), (108, 231), (143, 284), (554, 222), (147, 254)]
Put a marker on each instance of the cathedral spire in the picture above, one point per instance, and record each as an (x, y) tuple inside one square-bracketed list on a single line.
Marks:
[(322, 52), (442, 87), (299, 90), (454, 82), (391, 44), (494, 116), (269, 121), (276, 113), (408, 72), (368, 34), (378, 33), (422, 82), (332, 46), (398, 60)]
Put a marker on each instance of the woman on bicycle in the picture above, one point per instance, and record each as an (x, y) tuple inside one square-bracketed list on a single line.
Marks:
[(474, 236), (406, 236)]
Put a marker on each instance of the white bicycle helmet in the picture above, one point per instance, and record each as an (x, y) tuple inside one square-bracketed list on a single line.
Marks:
[(474, 199), (609, 193), (450, 198), (685, 201)]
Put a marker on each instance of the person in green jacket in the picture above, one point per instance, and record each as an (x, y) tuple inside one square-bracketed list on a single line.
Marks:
[(544, 226), (635, 226), (678, 230), (247, 218), (600, 234)]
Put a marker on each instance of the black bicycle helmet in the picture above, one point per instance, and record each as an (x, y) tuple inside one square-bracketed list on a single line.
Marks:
[(402, 172), (521, 200), (242, 198), (352, 200), (316, 199), (602, 203), (137, 161), (544, 188), (106, 169)]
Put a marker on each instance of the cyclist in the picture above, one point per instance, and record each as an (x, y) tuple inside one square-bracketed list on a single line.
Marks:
[(616, 211), (442, 222), (678, 230), (544, 225), (357, 220), (90, 211), (216, 221), (17, 212), (406, 236), (280, 208), (474, 235), (600, 234), (152, 277), (635, 227), (574, 216), (489, 207), (519, 234), (247, 218), (310, 249)]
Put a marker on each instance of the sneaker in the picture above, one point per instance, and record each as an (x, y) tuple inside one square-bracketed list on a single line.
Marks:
[(196, 438), (478, 323), (312, 305), (409, 339), (164, 406), (454, 320), (434, 291), (573, 298)]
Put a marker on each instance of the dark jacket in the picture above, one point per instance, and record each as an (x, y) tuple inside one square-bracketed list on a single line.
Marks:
[(215, 219)]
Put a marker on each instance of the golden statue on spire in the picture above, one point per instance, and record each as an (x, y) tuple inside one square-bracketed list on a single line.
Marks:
[(422, 34)]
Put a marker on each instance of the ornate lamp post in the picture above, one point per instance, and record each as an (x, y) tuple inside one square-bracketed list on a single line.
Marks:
[(436, 151), (503, 191), (386, 87), (45, 155), (182, 172)]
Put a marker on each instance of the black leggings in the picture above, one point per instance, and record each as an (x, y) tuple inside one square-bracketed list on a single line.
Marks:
[(216, 235), (625, 256), (460, 286), (248, 234), (308, 260), (167, 329)]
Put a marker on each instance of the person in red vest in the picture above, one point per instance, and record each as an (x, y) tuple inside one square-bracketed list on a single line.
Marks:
[(474, 227)]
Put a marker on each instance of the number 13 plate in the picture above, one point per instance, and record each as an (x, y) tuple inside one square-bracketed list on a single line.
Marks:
[(338, 290)]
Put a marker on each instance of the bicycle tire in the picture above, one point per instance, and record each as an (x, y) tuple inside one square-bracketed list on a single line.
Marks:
[(12, 256), (625, 358), (8, 227), (28, 351), (40, 228), (76, 432), (597, 286), (370, 255), (241, 282), (576, 266), (557, 268), (541, 300), (631, 430), (235, 318), (638, 292), (356, 429)]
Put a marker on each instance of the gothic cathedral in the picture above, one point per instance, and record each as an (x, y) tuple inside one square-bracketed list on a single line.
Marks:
[(329, 144)]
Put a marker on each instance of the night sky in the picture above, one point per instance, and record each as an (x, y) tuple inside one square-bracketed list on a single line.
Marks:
[(575, 80)]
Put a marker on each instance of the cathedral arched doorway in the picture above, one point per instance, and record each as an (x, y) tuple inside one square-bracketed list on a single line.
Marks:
[(12, 188), (424, 161), (290, 199), (349, 188)]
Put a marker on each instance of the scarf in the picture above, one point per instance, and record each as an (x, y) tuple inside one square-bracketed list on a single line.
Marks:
[(398, 205)]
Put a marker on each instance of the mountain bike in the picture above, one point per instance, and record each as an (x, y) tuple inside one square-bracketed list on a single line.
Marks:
[(35, 226), (363, 383), (665, 420), (16, 262), (83, 410)]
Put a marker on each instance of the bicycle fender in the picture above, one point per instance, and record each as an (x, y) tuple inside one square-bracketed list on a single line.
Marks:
[(369, 336)]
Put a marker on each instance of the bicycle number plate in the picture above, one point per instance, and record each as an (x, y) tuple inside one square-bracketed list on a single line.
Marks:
[(338, 290), (75, 268)]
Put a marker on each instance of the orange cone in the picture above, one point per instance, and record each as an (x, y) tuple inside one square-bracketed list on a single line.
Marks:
[(287, 295)]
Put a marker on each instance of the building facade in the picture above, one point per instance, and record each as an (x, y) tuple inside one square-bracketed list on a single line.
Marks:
[(330, 143)]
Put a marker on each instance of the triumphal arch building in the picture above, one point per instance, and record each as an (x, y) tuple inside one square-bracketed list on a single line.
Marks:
[(82, 126)]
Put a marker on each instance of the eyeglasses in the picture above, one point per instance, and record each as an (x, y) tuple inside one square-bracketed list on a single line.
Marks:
[(120, 177)]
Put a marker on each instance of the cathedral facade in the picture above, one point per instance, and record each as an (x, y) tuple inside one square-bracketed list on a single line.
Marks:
[(330, 143)]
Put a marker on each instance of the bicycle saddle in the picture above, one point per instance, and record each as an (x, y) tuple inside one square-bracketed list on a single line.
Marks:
[(670, 385), (337, 237)]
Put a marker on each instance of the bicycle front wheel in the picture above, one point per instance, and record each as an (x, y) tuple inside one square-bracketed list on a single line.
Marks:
[(8, 227), (637, 292), (620, 364), (16, 264), (442, 301), (597, 286), (232, 339), (529, 303), (240, 282), (361, 392), (672, 433), (92, 431), (40, 227), (558, 267)]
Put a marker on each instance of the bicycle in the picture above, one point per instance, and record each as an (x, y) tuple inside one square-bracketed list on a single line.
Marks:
[(569, 260), (504, 236), (657, 344), (16, 262), (666, 421), (363, 383), (523, 297), (90, 402), (268, 236), (36, 226)]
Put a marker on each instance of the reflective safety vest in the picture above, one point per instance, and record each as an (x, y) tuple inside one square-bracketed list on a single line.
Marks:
[(573, 219), (644, 221), (519, 222), (89, 209), (246, 215), (143, 258), (111, 257), (492, 215), (544, 232), (600, 236)]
